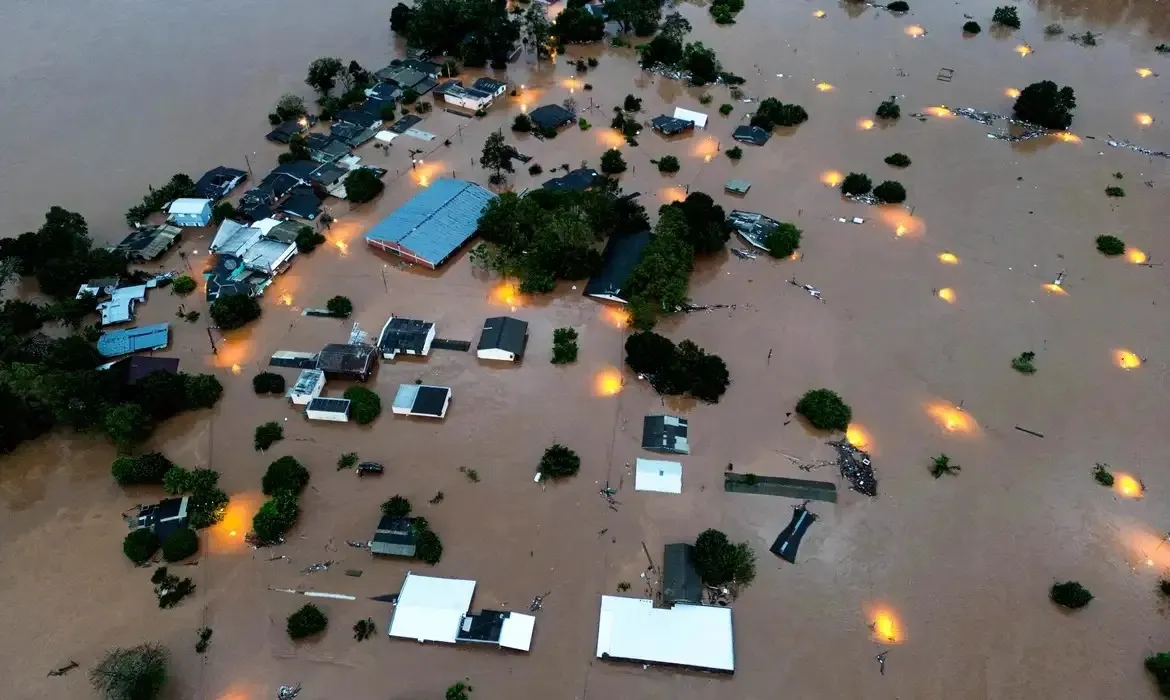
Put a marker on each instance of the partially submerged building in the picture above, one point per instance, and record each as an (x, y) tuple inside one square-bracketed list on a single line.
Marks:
[(284, 132), (133, 369), (119, 308), (659, 475), (433, 609), (681, 582), (189, 212), (253, 246), (164, 517), (309, 385), (433, 224), (149, 242), (662, 433), (334, 410), (219, 182), (394, 537), (697, 118), (691, 636), (752, 227), (579, 180), (621, 256), (405, 336), (551, 117), (671, 126), (229, 276), (347, 361), (753, 135), (127, 340), (422, 400), (323, 148), (503, 338), (454, 93)]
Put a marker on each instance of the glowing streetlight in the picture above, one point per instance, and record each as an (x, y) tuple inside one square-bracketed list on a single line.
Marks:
[(948, 258), (1023, 50), (608, 382), (819, 14), (832, 178), (859, 437), (1145, 72), (1012, 93), (825, 87), (947, 294), (1127, 486), (865, 124), (1126, 359), (1136, 256), (951, 419), (914, 30), (1144, 119)]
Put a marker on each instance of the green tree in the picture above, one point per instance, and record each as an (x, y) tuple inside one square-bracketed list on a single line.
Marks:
[(203, 390), (234, 311), (400, 18), (459, 691), (522, 123), (183, 285), (364, 404), (662, 50), (724, 11), (783, 240), (825, 410), (497, 156), (575, 25), (702, 375), (942, 465), (396, 507), (734, 153), (149, 468), (649, 354), (718, 561), (1046, 105), (1070, 594), (135, 673), (705, 226), (1159, 666), (323, 74), (856, 184), (972, 27), (290, 107), (161, 394), (267, 434), (558, 461), (306, 621), (674, 26), (268, 383), (284, 474), (362, 185), (771, 113), (641, 16), (276, 516), (889, 109), (140, 545), (668, 164), (127, 425), (663, 272), (612, 162), (538, 27), (180, 544), (428, 547), (1022, 363), (700, 62), (564, 346), (1007, 16), (1110, 245), (340, 307), (898, 160), (890, 192)]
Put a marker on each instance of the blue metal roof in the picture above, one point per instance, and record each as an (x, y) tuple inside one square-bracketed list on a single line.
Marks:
[(436, 221), (128, 340)]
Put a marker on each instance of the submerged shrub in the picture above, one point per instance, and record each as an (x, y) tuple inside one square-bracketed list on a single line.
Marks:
[(1070, 594), (1007, 16), (856, 183), (898, 160), (1110, 245), (825, 410), (890, 192), (972, 28)]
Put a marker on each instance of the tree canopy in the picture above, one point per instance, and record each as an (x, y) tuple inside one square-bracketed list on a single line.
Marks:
[(276, 516), (60, 254), (771, 113), (677, 369), (284, 474), (558, 461), (180, 544), (497, 156), (1046, 105), (783, 240), (658, 283), (475, 31), (135, 673), (306, 621), (364, 404), (362, 185), (718, 561), (234, 311), (576, 25), (706, 228), (641, 16), (825, 410)]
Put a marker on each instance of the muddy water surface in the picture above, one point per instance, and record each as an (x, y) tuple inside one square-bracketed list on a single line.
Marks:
[(100, 101)]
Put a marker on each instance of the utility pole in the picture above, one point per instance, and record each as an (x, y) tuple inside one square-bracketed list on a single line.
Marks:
[(211, 340), (249, 163)]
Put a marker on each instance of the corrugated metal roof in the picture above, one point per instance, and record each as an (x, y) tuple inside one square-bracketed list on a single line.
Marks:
[(128, 340), (436, 221)]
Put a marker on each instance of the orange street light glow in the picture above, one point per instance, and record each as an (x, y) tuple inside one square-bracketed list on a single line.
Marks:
[(611, 138), (1067, 137), (1126, 359), (1144, 119), (236, 369), (228, 533), (1145, 72), (914, 30), (947, 294), (832, 178), (1136, 256), (865, 124), (286, 299), (948, 258), (615, 316), (608, 382), (859, 437), (1127, 486), (825, 87), (507, 294), (1023, 50), (940, 111), (900, 230), (819, 14), (342, 247), (885, 625), (1056, 289), (950, 418), (1012, 93), (673, 194)]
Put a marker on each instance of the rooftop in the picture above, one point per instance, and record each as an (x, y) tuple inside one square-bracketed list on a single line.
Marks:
[(750, 134), (329, 405), (507, 629), (551, 116), (128, 340), (421, 400), (394, 537), (671, 125), (149, 242), (681, 583), (504, 333), (621, 256), (697, 118), (695, 636), (404, 335), (188, 205), (490, 85), (435, 222), (577, 180), (218, 182), (337, 358), (658, 475), (430, 609), (665, 434), (137, 367)]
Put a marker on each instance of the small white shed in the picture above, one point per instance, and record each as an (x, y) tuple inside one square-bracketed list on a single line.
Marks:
[(309, 385), (697, 118), (189, 211), (658, 475), (336, 410)]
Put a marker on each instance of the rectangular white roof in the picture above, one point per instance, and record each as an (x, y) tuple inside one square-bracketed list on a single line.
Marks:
[(517, 631), (698, 636), (658, 475), (188, 205), (698, 118), (268, 254), (430, 609)]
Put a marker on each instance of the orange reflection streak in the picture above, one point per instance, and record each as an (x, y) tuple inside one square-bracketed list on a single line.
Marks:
[(286, 299), (946, 294), (940, 111), (825, 87), (832, 178), (1127, 486), (1023, 50), (608, 382), (425, 172), (859, 437), (342, 247), (507, 293), (885, 624), (673, 194), (610, 138), (948, 258), (1055, 289), (233, 353), (1136, 255), (1126, 359), (951, 418), (1144, 119), (865, 124), (1011, 92), (901, 221), (914, 30), (1067, 137), (615, 316), (228, 534)]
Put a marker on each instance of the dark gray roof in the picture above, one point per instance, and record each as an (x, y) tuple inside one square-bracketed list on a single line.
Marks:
[(750, 134), (353, 116), (405, 122), (551, 116), (163, 517), (680, 582), (430, 400), (225, 278), (404, 335), (331, 405), (285, 132), (670, 125), (483, 626), (577, 180), (348, 360), (665, 434), (447, 85), (621, 256), (394, 537), (137, 367), (488, 85), (218, 182), (149, 242), (302, 203), (504, 333), (324, 148), (385, 91)]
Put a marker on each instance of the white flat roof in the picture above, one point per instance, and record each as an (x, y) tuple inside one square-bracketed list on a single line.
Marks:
[(517, 631), (698, 636), (267, 253), (188, 205), (430, 609), (658, 475), (698, 118)]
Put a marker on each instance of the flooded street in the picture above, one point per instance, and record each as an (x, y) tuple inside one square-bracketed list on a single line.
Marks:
[(101, 100)]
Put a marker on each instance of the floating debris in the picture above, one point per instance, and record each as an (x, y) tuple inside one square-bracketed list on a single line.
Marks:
[(358, 545), (319, 566), (63, 670), (744, 254), (288, 692), (856, 466), (538, 602)]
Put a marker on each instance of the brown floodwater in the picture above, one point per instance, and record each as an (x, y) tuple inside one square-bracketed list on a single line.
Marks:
[(100, 100)]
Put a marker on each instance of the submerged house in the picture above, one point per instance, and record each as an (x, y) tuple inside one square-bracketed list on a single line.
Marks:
[(323, 148), (334, 410), (394, 537), (284, 132), (621, 256), (551, 117), (671, 126), (433, 224), (681, 582), (691, 636), (422, 400), (697, 118), (658, 475), (133, 369), (347, 361), (189, 212), (229, 276), (578, 180), (503, 338), (309, 385), (149, 242), (432, 609), (164, 517), (253, 247), (752, 227), (127, 340), (751, 134), (664, 433), (405, 336), (454, 93), (218, 182)]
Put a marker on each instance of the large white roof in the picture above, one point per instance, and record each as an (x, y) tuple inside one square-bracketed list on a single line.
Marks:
[(698, 636), (188, 205), (699, 119), (430, 609), (658, 475)]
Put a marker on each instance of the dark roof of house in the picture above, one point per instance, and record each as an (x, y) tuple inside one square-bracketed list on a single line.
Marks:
[(663, 434), (325, 147), (577, 180), (621, 255), (447, 85), (670, 125), (504, 333), (149, 242), (483, 626), (254, 210), (427, 67), (352, 134), (218, 182), (405, 122), (285, 231), (137, 367), (430, 400), (373, 106), (404, 335), (489, 85), (551, 116), (163, 517), (680, 581), (750, 134), (302, 203), (352, 116), (395, 537), (229, 276), (284, 132), (321, 403), (328, 174), (338, 358), (385, 91), (434, 223)]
